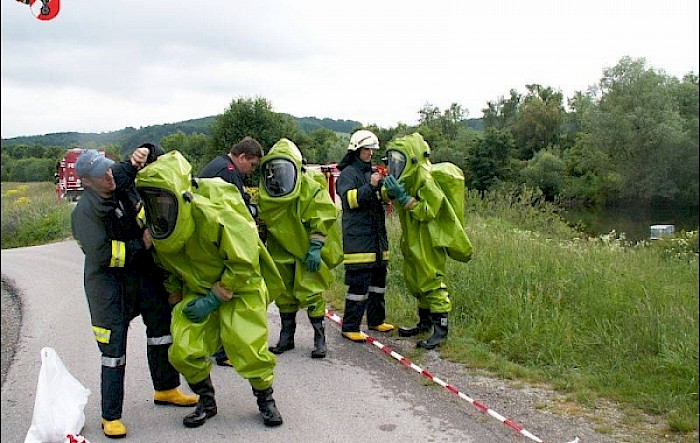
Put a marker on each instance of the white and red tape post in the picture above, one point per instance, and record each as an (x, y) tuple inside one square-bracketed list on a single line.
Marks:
[(477, 404)]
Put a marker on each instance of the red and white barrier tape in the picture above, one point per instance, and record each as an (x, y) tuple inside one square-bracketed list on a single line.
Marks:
[(480, 406)]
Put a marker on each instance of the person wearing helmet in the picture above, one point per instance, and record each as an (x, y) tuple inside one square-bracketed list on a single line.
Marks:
[(365, 241), (206, 240), (431, 230), (303, 238)]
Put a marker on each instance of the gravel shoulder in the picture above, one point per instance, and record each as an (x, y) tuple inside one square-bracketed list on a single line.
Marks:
[(11, 307)]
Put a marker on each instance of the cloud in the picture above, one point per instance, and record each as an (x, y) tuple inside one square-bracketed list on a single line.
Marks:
[(101, 66)]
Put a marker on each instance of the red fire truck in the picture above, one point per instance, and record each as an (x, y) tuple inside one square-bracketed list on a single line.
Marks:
[(68, 185)]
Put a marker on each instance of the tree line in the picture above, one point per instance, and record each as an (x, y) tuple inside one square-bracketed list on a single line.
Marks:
[(633, 136)]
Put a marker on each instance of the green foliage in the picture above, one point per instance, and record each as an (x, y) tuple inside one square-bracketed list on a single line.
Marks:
[(32, 215), (646, 124), (193, 147), (682, 245), (319, 147), (545, 171), (250, 117), (311, 124), (489, 162), (538, 121)]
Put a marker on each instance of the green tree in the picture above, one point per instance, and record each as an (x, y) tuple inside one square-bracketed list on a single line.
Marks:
[(588, 178), (321, 143), (249, 117), (33, 170), (489, 162), (545, 171), (646, 123), (538, 120), (503, 112), (193, 147)]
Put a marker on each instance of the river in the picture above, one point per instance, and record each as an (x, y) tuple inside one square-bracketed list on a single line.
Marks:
[(634, 221)]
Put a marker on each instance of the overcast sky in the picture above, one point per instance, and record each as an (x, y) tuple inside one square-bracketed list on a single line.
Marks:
[(104, 65)]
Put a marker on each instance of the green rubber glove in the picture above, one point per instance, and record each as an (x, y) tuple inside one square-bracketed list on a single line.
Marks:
[(394, 188), (197, 310), (312, 259)]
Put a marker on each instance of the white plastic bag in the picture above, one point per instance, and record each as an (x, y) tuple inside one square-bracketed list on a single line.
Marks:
[(59, 403)]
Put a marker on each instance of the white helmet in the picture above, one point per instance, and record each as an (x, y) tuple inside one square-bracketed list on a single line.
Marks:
[(363, 139)]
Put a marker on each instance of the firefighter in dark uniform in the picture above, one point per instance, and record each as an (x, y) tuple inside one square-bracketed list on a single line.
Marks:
[(122, 282), (365, 242)]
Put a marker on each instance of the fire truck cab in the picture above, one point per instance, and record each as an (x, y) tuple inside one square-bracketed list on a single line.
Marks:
[(68, 185)]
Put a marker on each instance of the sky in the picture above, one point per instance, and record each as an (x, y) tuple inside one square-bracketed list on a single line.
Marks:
[(101, 65)]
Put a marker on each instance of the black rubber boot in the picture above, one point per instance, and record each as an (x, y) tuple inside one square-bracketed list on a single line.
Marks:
[(376, 309), (289, 326), (354, 311), (319, 337), (423, 325), (206, 406), (439, 332), (268, 409)]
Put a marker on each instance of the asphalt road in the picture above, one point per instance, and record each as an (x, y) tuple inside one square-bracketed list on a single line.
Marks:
[(356, 394)]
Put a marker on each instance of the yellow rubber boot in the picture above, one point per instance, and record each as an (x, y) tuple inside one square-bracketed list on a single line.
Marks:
[(355, 336), (384, 327), (113, 428), (174, 397)]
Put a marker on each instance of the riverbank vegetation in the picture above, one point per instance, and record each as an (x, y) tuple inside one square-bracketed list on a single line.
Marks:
[(594, 317)]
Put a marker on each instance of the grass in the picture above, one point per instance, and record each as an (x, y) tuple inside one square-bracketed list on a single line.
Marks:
[(32, 215), (595, 318), (591, 317)]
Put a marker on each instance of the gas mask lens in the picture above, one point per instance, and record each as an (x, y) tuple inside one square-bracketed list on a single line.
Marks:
[(396, 162), (161, 211), (279, 177)]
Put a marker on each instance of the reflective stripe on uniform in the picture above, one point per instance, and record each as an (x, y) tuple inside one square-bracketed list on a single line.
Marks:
[(118, 254), (363, 257), (101, 334), (356, 297), (352, 199), (113, 362), (141, 218), (156, 341), (376, 290)]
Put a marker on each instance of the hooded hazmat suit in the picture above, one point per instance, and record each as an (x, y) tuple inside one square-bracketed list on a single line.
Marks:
[(203, 234), (431, 229), (300, 216)]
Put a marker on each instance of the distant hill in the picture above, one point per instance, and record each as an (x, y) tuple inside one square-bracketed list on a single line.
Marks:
[(130, 137)]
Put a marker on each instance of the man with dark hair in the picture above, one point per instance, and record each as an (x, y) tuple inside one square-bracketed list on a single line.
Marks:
[(233, 167), (122, 282)]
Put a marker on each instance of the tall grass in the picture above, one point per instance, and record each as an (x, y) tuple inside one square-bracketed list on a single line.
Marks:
[(32, 215), (593, 317)]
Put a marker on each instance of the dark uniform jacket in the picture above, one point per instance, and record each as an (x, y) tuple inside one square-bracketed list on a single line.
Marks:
[(365, 242), (222, 166), (109, 234)]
